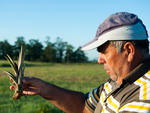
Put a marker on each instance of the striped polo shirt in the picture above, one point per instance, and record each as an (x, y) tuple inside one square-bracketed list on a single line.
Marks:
[(132, 96)]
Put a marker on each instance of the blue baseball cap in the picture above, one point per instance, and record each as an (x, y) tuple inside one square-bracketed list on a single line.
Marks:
[(118, 26)]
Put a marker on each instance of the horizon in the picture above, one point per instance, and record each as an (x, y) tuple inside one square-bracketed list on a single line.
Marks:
[(75, 22)]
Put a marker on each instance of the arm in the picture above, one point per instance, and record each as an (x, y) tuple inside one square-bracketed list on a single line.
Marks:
[(66, 100)]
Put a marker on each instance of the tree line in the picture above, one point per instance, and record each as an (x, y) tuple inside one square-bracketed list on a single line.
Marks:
[(59, 51)]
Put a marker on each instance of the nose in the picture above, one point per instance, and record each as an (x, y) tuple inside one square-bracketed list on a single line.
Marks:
[(101, 59)]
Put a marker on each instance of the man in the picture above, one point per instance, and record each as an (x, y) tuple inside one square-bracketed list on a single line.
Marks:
[(122, 42)]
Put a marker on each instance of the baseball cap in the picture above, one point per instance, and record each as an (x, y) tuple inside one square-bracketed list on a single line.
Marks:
[(118, 26)]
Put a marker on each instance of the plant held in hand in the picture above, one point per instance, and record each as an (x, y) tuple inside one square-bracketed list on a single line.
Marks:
[(18, 75)]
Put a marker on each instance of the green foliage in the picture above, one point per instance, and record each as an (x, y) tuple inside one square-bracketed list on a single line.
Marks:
[(69, 54), (79, 56), (59, 51), (49, 53), (5, 48), (60, 46), (16, 48), (34, 50), (78, 77)]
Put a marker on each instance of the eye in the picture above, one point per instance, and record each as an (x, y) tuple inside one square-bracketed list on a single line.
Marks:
[(103, 47), (105, 51)]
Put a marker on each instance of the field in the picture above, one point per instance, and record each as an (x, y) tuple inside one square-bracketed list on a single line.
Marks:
[(78, 77)]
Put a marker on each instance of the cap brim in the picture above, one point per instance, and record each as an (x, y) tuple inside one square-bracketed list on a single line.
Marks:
[(92, 45)]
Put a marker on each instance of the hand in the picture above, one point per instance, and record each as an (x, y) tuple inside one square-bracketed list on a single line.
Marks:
[(31, 86)]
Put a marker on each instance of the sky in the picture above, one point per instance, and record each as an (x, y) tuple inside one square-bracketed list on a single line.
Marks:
[(75, 21)]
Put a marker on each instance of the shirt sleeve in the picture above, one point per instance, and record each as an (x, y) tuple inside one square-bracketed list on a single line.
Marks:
[(92, 98)]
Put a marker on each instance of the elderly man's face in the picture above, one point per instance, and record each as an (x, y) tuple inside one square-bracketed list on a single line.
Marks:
[(113, 62)]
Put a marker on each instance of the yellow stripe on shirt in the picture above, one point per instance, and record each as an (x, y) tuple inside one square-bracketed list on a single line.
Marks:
[(136, 106), (107, 87), (113, 104)]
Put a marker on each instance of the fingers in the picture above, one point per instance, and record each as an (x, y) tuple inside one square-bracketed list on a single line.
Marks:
[(31, 85), (12, 83), (12, 87), (30, 91), (10, 79)]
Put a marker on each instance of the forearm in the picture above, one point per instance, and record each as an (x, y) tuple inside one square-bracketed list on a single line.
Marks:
[(66, 100)]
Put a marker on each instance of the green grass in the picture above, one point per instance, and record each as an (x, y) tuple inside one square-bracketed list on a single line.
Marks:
[(78, 77)]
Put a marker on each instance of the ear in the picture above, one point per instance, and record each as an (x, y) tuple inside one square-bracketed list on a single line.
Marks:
[(129, 50)]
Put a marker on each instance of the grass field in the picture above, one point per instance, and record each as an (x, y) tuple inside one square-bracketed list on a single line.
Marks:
[(79, 77)]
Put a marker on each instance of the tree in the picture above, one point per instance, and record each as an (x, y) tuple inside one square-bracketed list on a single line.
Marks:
[(16, 49), (49, 52), (79, 56), (60, 49), (5, 48), (69, 53), (34, 50)]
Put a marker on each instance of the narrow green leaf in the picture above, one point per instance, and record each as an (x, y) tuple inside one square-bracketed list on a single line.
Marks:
[(11, 76), (13, 64), (21, 58), (21, 66)]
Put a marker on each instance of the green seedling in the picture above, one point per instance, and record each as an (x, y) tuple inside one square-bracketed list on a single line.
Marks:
[(18, 74)]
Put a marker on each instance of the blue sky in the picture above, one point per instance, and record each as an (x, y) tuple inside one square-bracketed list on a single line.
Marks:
[(74, 21)]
